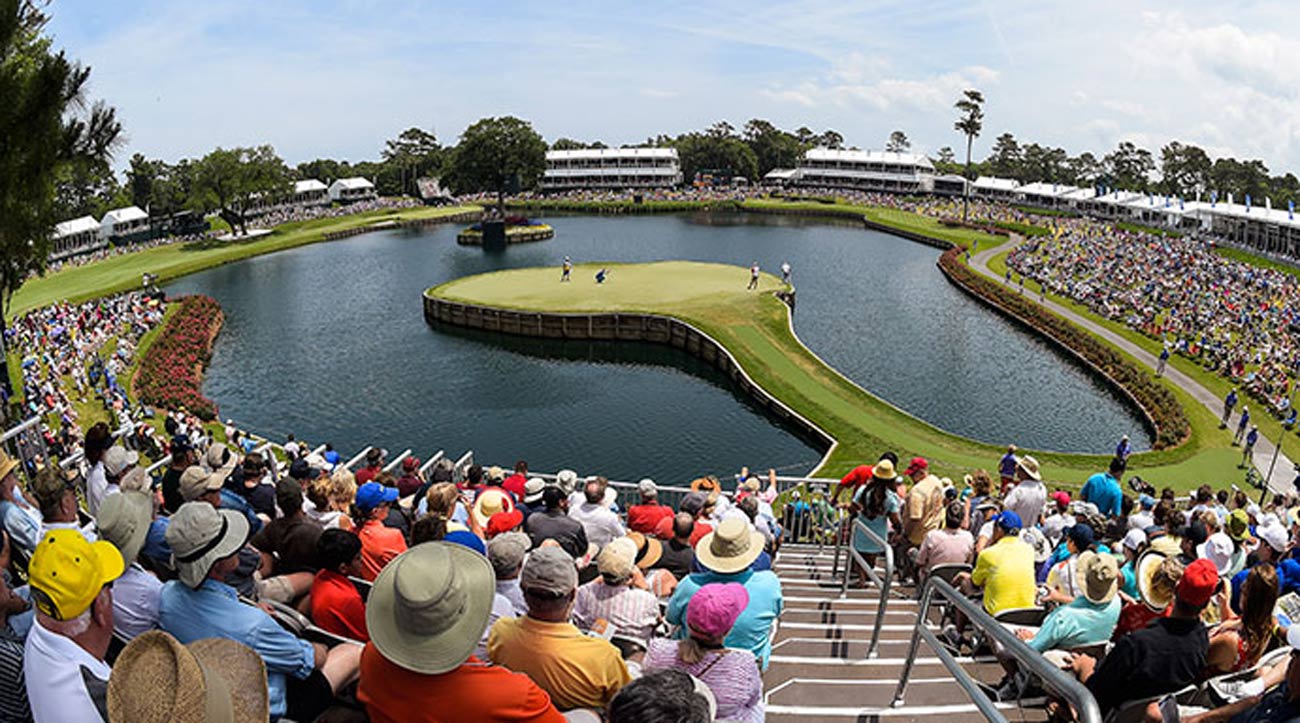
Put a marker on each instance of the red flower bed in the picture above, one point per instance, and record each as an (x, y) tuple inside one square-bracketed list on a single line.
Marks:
[(171, 372)]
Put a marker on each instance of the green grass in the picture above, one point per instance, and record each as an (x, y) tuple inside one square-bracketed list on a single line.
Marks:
[(1249, 258), (755, 328), (895, 218), (123, 273)]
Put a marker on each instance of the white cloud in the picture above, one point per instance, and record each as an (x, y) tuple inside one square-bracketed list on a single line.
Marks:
[(867, 82)]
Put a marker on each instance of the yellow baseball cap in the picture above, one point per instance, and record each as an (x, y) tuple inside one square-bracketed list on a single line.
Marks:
[(70, 572)]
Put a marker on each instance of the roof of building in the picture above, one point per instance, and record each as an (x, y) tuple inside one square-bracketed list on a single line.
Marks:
[(781, 174), (76, 226), (1046, 190), (993, 183), (599, 153), (125, 215), (881, 157), (311, 184), (354, 183)]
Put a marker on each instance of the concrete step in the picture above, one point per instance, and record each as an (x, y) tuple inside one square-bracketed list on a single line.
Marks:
[(837, 693), (860, 616), (812, 647), (785, 667), (958, 713), (798, 600)]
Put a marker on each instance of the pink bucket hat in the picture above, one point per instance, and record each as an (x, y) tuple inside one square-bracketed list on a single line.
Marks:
[(713, 609)]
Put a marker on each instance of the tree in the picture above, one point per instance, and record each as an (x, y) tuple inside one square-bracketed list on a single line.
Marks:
[(325, 170), (970, 123), (946, 155), (830, 139), (805, 136), (773, 147), (898, 143), (1184, 169), (496, 154), (48, 125), (706, 152), (141, 177), (1084, 168), (1004, 158), (1043, 164), (231, 181), (413, 153), (1130, 167)]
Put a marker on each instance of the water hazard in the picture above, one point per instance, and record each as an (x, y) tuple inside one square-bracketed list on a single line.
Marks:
[(329, 342)]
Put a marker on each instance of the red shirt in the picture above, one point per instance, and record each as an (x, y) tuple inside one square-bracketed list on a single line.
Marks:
[(476, 691), (514, 484), (1135, 616), (859, 476), (644, 518), (366, 474), (701, 529), (337, 607)]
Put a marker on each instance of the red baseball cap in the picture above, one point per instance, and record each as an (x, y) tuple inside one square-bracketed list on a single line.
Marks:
[(1061, 497), (1199, 582), (917, 464), (504, 522)]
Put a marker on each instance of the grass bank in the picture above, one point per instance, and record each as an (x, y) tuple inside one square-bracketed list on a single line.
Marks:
[(123, 273)]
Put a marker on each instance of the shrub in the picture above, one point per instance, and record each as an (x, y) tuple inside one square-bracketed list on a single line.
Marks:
[(171, 372)]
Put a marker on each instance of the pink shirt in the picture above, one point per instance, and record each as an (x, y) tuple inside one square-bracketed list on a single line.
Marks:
[(942, 547)]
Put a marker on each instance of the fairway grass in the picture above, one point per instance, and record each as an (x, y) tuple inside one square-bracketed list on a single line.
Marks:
[(756, 329)]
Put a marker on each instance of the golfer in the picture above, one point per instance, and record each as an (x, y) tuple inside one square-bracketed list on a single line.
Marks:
[(785, 271), (568, 269), (753, 276), (600, 275)]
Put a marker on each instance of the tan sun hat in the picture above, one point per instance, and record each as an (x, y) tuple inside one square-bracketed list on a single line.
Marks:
[(196, 482), (124, 521), (1097, 576), (490, 502), (429, 606), (136, 479), (1157, 578), (884, 470), (1030, 467), (7, 464), (199, 535), (158, 680), (732, 547), (618, 559)]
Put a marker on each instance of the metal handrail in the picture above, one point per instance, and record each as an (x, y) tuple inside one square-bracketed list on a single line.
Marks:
[(360, 456), (397, 460), (884, 585), (840, 516), (18, 429), (1053, 678), (464, 463), (428, 465)]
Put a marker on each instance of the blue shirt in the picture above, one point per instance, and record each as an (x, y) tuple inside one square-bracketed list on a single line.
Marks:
[(753, 627), (213, 610), (1077, 624), (24, 529), (1288, 580), (1103, 490), (1007, 465)]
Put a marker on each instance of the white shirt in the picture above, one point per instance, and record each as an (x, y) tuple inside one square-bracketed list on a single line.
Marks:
[(1055, 525), (96, 488), (1027, 500), (1141, 520), (501, 608), (599, 522), (87, 532), (57, 672), (135, 602)]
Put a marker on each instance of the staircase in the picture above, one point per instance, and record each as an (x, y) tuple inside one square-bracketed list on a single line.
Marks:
[(819, 670)]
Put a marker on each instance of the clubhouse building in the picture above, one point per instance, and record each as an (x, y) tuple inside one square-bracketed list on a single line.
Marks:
[(864, 171), (611, 168)]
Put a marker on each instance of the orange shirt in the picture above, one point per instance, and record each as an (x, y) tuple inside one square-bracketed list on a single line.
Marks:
[(379, 545), (476, 691)]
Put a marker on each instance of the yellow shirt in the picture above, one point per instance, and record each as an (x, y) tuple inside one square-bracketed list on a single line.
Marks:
[(1005, 570), (577, 670), (924, 509)]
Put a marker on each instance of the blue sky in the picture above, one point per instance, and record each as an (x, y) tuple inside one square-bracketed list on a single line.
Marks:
[(334, 79)]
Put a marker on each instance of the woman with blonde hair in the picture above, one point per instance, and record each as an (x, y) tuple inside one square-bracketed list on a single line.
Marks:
[(1239, 642), (332, 497)]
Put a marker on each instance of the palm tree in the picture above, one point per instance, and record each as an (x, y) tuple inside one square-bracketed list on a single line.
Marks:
[(970, 123), (47, 125)]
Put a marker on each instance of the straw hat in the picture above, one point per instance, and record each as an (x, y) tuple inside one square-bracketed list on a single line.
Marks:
[(429, 606), (884, 470), (732, 547), (1097, 576), (490, 502), (156, 679), (7, 464), (1149, 565), (648, 549), (1029, 466), (124, 521)]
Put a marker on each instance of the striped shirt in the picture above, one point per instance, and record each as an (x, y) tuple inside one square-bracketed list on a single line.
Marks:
[(731, 674), (13, 689), (631, 612)]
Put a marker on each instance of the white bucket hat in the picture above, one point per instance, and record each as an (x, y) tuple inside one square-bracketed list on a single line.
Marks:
[(199, 535)]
